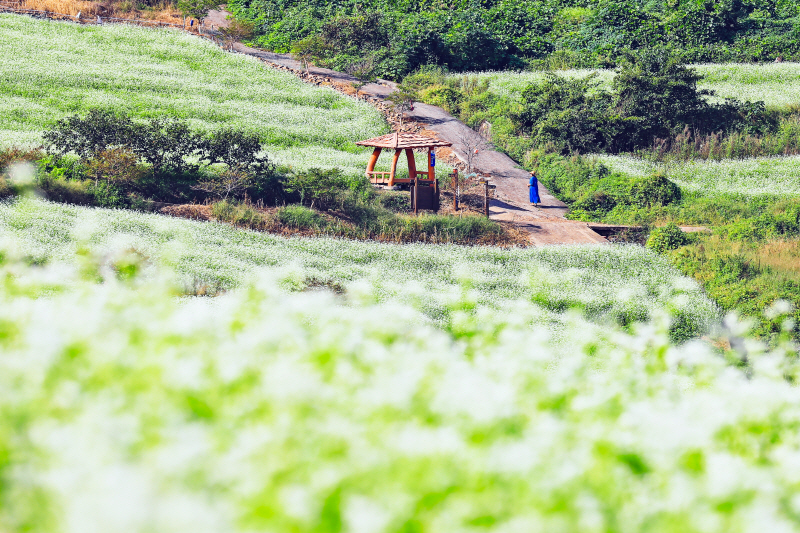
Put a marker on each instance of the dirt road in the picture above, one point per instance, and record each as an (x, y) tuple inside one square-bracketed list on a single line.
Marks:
[(546, 223)]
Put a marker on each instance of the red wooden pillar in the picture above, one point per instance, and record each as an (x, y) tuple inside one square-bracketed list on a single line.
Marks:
[(394, 167), (372, 160), (412, 164)]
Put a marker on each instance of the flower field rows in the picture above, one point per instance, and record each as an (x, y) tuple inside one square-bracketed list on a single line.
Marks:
[(779, 176), (49, 70), (777, 84), (611, 284), (127, 409)]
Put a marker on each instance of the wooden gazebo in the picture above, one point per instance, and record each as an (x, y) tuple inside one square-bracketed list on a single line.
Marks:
[(399, 142)]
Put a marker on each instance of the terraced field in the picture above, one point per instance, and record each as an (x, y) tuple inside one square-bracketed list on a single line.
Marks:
[(49, 70)]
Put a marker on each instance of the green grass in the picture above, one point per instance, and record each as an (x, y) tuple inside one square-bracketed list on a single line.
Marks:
[(49, 70)]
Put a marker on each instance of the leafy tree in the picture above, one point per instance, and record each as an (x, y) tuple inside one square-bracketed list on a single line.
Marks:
[(249, 169), (495, 34), (197, 8), (232, 182), (317, 186), (237, 30), (355, 34), (568, 114), (655, 94), (98, 131), (237, 149), (113, 145), (165, 144), (115, 165), (403, 98), (309, 49)]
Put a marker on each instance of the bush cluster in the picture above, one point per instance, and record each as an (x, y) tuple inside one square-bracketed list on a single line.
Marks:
[(595, 192), (324, 201), (667, 238), (654, 96), (654, 104), (161, 159)]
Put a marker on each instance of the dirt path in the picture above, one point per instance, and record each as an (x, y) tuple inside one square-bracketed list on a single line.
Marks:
[(546, 224)]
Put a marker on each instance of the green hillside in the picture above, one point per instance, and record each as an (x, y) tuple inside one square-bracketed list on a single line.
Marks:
[(49, 70), (390, 39)]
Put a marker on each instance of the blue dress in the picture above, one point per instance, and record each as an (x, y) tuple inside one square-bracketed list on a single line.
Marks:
[(534, 190)]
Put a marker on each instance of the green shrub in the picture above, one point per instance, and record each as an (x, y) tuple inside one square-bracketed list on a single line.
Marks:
[(238, 214), (249, 217), (652, 190), (398, 202), (112, 145), (119, 166), (98, 131), (667, 238), (320, 188), (105, 194), (447, 98), (224, 211), (598, 201), (299, 217), (782, 222)]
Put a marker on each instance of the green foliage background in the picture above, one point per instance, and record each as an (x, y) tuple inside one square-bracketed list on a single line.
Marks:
[(495, 34)]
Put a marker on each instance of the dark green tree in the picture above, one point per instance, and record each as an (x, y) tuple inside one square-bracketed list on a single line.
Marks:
[(568, 114), (655, 94), (86, 136)]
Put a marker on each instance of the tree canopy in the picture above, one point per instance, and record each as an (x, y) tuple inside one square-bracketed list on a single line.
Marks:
[(400, 36)]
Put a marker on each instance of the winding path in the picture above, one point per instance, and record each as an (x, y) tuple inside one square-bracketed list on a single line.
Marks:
[(546, 224)]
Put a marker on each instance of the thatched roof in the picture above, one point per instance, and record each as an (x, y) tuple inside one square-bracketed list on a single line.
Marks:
[(399, 141)]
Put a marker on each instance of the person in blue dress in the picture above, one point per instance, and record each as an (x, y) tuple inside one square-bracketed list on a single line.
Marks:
[(533, 188)]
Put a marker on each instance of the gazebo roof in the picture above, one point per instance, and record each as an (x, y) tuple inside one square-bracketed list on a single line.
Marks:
[(400, 141)]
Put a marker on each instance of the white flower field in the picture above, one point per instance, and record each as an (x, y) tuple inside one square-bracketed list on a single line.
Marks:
[(777, 84), (164, 375), (126, 408), (776, 176), (53, 69), (608, 283)]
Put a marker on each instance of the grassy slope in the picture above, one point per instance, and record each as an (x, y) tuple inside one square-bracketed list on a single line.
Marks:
[(777, 84), (609, 283), (749, 177), (127, 410), (752, 204), (50, 69)]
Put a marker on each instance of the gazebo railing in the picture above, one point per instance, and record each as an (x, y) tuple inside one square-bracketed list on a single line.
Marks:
[(382, 178), (379, 177)]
